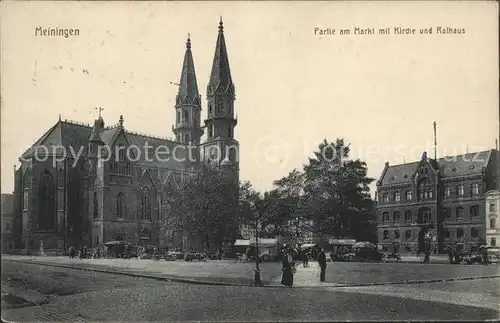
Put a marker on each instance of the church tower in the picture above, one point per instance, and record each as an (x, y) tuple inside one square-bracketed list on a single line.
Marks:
[(220, 145), (188, 103)]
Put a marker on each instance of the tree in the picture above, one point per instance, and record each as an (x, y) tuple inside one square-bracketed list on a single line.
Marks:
[(295, 224), (338, 190), (206, 203)]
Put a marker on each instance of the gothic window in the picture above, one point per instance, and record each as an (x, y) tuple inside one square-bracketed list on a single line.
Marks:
[(422, 188), (119, 205), (27, 179), (26, 199), (95, 206), (230, 132), (396, 216), (185, 116), (46, 201), (210, 107), (385, 217), (178, 116), (219, 108), (145, 204), (210, 131), (459, 212), (408, 195), (424, 215)]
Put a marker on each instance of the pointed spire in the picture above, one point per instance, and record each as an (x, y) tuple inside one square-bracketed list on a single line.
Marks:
[(95, 136), (188, 87), (220, 76)]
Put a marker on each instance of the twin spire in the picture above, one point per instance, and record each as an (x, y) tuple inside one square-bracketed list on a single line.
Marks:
[(220, 76)]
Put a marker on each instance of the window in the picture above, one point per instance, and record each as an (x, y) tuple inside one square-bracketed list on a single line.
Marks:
[(46, 201), (386, 234), (475, 189), (447, 192), (145, 204), (447, 212), (459, 211), (396, 216), (96, 206), (408, 216), (424, 215), (492, 223), (185, 115), (474, 232), (385, 217), (397, 197), (119, 205), (460, 190), (407, 249), (493, 242), (230, 132), (220, 108), (408, 195), (474, 211), (423, 187), (430, 194), (408, 234), (96, 240), (396, 234), (210, 107), (493, 207), (26, 200), (210, 131), (178, 116), (460, 233), (446, 233)]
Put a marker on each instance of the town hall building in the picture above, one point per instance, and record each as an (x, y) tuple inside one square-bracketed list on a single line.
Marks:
[(113, 192)]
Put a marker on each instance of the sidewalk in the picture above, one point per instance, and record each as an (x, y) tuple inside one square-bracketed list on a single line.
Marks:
[(436, 259)]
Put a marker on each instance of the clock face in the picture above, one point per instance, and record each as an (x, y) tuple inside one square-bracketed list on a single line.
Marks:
[(213, 153)]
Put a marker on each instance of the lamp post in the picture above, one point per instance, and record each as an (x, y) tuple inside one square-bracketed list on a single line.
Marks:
[(257, 259)]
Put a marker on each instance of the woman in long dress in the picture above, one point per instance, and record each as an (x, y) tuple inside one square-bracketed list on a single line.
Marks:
[(288, 268)]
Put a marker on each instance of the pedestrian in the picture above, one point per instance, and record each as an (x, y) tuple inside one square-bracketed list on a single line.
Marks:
[(485, 255), (306, 259), (288, 269), (322, 264), (427, 247)]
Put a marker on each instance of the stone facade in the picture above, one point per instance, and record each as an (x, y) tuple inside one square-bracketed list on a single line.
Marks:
[(492, 218), (446, 196), (82, 184)]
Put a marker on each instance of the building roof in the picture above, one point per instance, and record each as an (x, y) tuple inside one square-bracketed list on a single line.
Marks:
[(449, 166), (76, 135)]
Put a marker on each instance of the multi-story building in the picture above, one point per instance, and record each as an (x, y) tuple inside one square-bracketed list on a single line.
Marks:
[(115, 187), (445, 196), (7, 209), (492, 218)]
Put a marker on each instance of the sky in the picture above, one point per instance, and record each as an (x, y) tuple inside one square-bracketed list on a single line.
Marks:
[(294, 87)]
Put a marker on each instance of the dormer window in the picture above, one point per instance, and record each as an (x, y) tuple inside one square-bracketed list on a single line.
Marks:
[(453, 169)]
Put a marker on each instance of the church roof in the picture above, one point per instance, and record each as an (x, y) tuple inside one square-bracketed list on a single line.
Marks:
[(449, 166), (76, 135), (220, 76), (188, 86)]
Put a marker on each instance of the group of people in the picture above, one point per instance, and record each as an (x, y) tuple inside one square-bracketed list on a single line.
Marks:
[(81, 254), (288, 265)]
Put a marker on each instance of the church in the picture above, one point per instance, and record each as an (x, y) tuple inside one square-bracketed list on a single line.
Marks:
[(90, 184)]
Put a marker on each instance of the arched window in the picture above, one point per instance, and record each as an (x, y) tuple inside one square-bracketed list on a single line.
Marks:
[(46, 201), (95, 206), (119, 205), (423, 186), (145, 204), (229, 131)]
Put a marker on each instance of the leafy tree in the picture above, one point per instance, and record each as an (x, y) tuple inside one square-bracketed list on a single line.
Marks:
[(338, 191), (207, 203)]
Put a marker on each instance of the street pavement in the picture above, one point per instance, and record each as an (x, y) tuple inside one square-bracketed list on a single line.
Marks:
[(237, 273), (86, 295), (114, 297)]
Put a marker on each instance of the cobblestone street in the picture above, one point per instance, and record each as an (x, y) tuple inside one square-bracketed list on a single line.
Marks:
[(85, 295)]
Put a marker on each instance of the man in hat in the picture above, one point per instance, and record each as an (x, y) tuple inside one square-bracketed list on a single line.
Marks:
[(322, 264)]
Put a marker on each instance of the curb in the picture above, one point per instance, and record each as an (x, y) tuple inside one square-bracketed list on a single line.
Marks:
[(30, 296)]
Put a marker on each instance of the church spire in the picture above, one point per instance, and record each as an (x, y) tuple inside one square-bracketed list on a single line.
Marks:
[(188, 86), (220, 77)]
